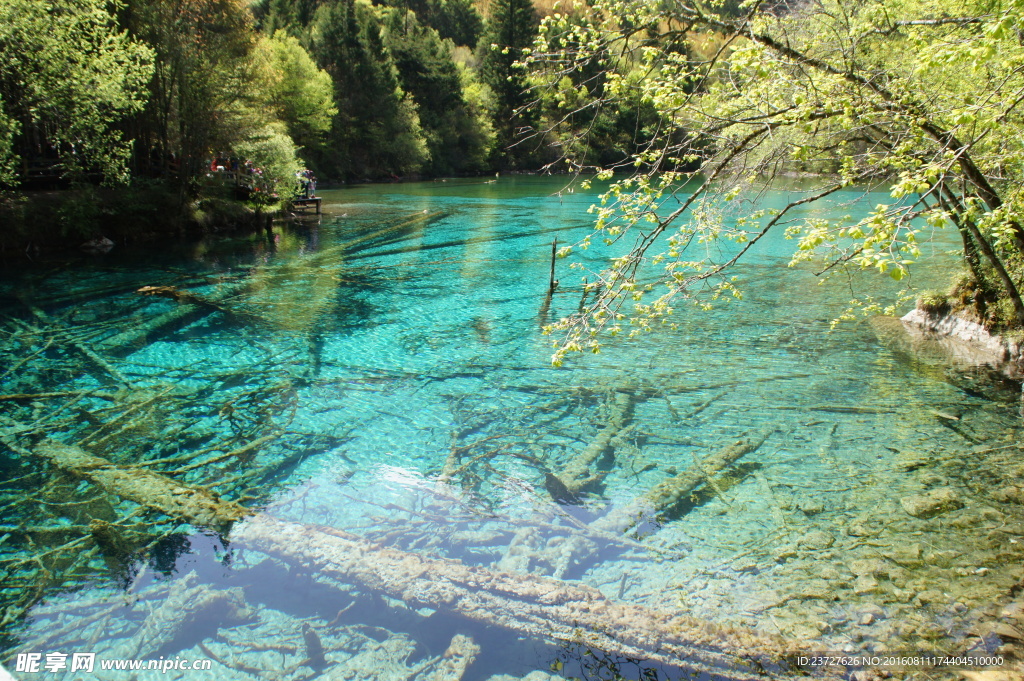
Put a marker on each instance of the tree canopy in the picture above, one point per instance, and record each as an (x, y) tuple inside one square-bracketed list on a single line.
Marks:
[(922, 98), (301, 94), (68, 75), (512, 27), (158, 89)]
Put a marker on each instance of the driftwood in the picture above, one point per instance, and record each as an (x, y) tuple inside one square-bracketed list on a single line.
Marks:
[(662, 388), (155, 491), (189, 298), (528, 604), (670, 492), (42, 396), (189, 607), (456, 660), (576, 476), (644, 511), (102, 369)]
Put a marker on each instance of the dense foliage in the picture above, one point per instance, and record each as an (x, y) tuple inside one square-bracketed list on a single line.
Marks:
[(199, 97), (704, 104), (511, 32), (923, 97), (170, 91), (68, 74)]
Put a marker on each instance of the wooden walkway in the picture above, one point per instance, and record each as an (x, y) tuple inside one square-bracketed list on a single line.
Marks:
[(303, 204)]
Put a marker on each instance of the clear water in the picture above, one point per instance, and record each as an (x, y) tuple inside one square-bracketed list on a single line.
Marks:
[(401, 331)]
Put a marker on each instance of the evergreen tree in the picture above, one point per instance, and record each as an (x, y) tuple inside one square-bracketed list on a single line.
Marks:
[(288, 15), (511, 29), (431, 77), (455, 20), (377, 130)]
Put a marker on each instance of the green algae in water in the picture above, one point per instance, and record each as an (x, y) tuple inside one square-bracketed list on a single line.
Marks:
[(349, 365)]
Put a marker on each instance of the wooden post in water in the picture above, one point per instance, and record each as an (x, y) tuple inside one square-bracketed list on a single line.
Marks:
[(552, 282)]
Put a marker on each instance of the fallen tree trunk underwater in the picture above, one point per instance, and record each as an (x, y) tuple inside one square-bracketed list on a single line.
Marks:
[(137, 337), (527, 604), (101, 368), (577, 476), (668, 493), (641, 517), (152, 490)]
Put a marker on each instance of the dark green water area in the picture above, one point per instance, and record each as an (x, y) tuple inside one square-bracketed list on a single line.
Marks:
[(372, 391)]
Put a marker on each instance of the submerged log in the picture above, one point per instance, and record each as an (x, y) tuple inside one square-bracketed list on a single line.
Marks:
[(190, 608), (137, 337), (152, 490), (577, 476), (456, 660), (102, 369), (668, 493), (528, 604), (189, 298)]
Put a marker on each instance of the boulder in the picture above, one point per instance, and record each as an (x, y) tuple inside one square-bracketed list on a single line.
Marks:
[(872, 567), (817, 540), (932, 503)]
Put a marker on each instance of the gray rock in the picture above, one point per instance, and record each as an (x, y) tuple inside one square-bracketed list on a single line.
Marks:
[(931, 503), (903, 595), (909, 555), (865, 584), (817, 540), (932, 480), (873, 567), (866, 619), (784, 553), (908, 461), (930, 596), (802, 632), (98, 245), (818, 589), (812, 507), (864, 527), (943, 559), (830, 573), (1013, 611), (1009, 494), (876, 611)]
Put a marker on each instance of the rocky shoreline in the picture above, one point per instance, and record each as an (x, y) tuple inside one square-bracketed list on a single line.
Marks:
[(967, 341)]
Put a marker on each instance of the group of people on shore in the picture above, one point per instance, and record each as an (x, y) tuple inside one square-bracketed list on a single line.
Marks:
[(307, 184)]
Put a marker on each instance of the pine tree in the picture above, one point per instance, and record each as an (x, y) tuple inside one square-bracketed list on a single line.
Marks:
[(511, 28), (453, 133), (377, 131)]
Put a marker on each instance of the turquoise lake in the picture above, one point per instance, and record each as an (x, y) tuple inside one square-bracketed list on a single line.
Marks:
[(380, 373)]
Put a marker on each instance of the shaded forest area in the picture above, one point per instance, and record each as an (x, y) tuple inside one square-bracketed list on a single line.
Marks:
[(203, 112)]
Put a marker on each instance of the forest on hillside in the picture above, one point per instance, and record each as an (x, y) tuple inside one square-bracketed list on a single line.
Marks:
[(156, 93)]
